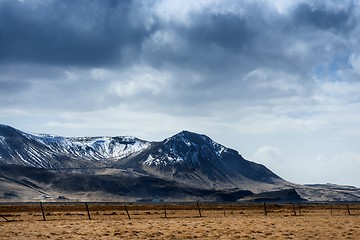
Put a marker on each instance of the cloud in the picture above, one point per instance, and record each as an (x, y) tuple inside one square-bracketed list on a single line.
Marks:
[(209, 52), (141, 80), (351, 71), (280, 82), (269, 155), (340, 168), (325, 16), (67, 32)]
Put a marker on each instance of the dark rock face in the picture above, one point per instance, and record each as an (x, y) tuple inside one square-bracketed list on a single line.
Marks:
[(286, 195)]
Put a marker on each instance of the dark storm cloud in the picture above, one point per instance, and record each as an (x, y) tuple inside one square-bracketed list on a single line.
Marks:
[(215, 45), (227, 31), (326, 19), (105, 33), (227, 42), (188, 53), (66, 32)]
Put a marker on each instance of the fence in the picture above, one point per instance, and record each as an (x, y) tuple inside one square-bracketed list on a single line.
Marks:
[(47, 211)]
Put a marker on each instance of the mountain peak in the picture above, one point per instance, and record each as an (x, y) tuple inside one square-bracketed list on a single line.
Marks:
[(190, 137), (186, 148), (186, 133)]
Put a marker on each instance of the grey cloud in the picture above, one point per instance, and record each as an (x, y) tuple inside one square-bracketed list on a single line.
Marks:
[(9, 88), (234, 43), (224, 48), (208, 58), (35, 87), (66, 32), (324, 19), (228, 31), (107, 33)]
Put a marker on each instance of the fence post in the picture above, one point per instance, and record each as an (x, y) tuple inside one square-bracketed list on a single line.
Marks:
[(348, 209), (42, 211), (331, 208), (127, 212), (199, 209), (299, 209), (294, 209), (265, 210), (88, 212)]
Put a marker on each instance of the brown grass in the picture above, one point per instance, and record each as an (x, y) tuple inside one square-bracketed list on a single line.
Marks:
[(235, 221)]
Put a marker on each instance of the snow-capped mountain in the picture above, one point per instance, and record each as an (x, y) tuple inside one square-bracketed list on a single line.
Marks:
[(182, 167), (196, 160), (186, 158), (56, 152), (185, 148)]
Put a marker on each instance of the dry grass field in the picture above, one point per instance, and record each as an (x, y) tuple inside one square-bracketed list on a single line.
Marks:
[(182, 221)]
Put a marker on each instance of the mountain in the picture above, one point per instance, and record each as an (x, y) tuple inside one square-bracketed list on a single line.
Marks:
[(55, 152), (198, 161), (186, 166), (186, 157)]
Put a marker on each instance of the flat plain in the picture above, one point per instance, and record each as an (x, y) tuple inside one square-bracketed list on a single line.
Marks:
[(180, 221)]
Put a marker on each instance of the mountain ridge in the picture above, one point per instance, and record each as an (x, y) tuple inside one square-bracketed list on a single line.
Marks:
[(184, 166)]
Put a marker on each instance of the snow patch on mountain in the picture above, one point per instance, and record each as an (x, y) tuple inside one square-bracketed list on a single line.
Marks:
[(163, 161), (95, 147)]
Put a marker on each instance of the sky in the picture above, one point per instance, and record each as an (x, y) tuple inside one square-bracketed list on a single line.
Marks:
[(277, 80)]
